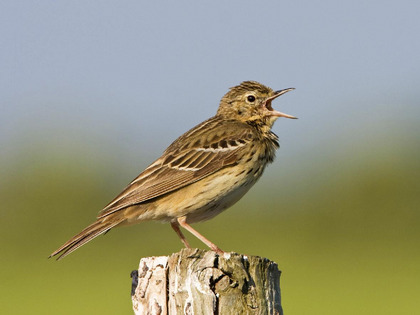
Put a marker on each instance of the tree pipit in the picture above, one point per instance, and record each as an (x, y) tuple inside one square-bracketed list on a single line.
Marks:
[(202, 173)]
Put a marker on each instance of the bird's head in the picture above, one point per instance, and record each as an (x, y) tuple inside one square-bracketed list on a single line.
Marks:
[(251, 102)]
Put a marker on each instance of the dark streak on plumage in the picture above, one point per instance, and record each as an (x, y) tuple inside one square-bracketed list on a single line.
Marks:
[(204, 161), (168, 159), (256, 170)]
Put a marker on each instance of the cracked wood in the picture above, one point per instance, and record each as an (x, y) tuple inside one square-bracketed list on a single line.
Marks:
[(196, 281)]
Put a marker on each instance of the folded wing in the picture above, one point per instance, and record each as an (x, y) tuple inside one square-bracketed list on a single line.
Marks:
[(184, 163)]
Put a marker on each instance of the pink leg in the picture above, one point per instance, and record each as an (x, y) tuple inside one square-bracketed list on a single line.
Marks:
[(185, 225), (175, 226)]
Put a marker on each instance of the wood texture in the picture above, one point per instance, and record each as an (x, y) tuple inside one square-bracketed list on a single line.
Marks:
[(196, 281)]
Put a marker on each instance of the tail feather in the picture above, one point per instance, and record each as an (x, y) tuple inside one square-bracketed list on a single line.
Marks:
[(89, 233)]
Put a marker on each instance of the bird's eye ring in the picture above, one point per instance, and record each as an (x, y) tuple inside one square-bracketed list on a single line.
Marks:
[(251, 98)]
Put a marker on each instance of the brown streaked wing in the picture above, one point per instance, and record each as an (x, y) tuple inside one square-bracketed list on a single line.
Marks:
[(192, 157)]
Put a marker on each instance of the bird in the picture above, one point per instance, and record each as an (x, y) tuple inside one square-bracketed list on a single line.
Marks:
[(202, 173)]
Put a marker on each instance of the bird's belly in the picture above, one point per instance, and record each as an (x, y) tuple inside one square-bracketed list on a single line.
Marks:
[(217, 201), (206, 198)]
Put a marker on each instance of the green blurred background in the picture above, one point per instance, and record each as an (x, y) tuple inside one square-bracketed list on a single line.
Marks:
[(92, 92)]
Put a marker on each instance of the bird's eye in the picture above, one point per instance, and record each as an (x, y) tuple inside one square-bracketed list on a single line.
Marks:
[(251, 98)]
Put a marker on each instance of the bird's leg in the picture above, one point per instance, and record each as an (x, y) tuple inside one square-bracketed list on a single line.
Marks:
[(185, 225), (175, 226)]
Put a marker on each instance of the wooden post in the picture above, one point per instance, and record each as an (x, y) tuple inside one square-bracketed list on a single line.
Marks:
[(196, 281)]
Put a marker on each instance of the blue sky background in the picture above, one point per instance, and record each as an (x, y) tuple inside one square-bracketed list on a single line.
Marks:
[(130, 76)]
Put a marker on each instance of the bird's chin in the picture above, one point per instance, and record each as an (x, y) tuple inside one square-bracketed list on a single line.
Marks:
[(270, 119)]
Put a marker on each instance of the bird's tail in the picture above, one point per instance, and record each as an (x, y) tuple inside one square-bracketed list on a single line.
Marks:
[(97, 228)]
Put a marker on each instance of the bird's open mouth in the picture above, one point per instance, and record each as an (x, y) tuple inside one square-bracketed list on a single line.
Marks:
[(268, 106), (274, 112)]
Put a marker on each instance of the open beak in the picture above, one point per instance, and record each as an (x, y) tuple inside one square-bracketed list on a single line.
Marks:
[(274, 112)]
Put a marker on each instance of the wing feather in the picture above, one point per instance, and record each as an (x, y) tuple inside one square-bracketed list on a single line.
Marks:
[(192, 157)]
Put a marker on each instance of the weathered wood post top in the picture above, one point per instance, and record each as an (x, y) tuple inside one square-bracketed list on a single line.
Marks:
[(195, 281)]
